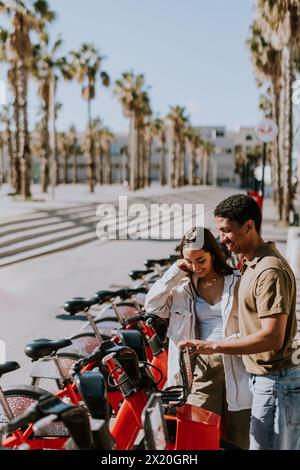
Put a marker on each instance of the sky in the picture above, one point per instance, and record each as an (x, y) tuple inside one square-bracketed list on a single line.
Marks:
[(192, 53)]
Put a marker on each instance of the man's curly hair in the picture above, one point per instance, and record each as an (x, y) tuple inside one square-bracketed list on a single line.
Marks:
[(240, 208)]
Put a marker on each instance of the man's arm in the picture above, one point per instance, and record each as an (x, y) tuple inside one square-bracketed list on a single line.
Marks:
[(269, 338)]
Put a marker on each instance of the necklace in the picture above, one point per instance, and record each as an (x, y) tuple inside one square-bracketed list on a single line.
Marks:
[(206, 284)]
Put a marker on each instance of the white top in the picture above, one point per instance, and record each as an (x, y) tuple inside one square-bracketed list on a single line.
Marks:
[(209, 319), (173, 297)]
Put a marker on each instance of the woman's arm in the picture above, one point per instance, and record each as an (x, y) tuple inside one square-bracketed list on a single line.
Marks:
[(159, 298)]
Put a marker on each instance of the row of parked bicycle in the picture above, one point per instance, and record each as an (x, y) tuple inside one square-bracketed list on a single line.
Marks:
[(105, 387)]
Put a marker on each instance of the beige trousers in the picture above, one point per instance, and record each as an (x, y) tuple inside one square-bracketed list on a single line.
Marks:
[(208, 391)]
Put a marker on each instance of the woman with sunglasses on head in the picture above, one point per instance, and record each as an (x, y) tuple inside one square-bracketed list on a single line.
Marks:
[(199, 296)]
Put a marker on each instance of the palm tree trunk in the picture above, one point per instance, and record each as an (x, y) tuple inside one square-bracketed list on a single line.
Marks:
[(101, 163), (141, 156), (16, 158), (91, 156), (192, 179), (177, 164), (139, 159), (133, 154), (287, 132), (56, 171), (173, 162), (205, 162), (277, 187), (147, 159), (46, 152), (24, 149), (182, 165), (108, 163), (65, 157), (75, 168), (163, 152), (10, 150)]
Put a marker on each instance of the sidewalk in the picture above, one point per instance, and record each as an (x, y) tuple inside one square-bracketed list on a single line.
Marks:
[(33, 291), (72, 195)]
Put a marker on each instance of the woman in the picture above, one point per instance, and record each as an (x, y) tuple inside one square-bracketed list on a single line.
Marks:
[(199, 296)]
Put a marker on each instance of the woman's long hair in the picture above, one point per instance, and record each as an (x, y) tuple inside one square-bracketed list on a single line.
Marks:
[(211, 246)]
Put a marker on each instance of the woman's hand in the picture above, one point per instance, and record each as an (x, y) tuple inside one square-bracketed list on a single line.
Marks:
[(183, 265), (198, 347)]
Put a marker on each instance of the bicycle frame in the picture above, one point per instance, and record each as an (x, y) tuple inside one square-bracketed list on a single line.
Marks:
[(128, 416)]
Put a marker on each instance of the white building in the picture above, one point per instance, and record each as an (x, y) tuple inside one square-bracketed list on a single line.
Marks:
[(221, 170)]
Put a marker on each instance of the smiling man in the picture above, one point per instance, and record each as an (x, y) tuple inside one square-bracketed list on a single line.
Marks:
[(267, 326)]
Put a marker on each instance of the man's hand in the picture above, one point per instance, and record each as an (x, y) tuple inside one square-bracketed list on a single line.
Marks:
[(198, 347), (183, 265)]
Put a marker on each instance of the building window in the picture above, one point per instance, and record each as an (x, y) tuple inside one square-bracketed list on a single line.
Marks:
[(228, 150), (219, 133), (249, 137)]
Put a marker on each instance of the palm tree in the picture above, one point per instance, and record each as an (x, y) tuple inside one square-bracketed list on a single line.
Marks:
[(267, 62), (136, 105), (58, 107), (245, 163), (6, 119), (96, 136), (63, 150), (85, 66), (280, 22), (72, 150), (159, 131), (46, 69), (102, 137), (18, 52), (194, 140), (178, 120), (266, 105), (124, 170), (106, 138), (208, 148)]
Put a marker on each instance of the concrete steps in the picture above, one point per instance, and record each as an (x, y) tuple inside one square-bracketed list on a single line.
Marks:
[(47, 231)]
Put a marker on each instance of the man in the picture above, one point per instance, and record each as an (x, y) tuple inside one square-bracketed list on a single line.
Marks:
[(267, 325)]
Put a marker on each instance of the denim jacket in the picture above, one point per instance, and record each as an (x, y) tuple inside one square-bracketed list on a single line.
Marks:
[(173, 297)]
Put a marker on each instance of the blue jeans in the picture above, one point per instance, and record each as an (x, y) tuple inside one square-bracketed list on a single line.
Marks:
[(275, 415)]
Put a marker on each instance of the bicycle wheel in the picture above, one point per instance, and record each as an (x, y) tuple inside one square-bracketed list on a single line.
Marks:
[(48, 376), (19, 399), (84, 344), (125, 309)]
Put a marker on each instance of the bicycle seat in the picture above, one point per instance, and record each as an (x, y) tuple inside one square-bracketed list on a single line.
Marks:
[(134, 340), (150, 263), (39, 348), (129, 292), (103, 296), (8, 367), (139, 274), (92, 388), (78, 304)]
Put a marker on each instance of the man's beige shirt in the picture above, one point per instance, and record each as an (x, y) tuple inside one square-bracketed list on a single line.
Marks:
[(267, 287)]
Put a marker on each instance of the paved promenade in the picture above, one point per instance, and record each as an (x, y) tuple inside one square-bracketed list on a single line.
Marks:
[(33, 290)]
